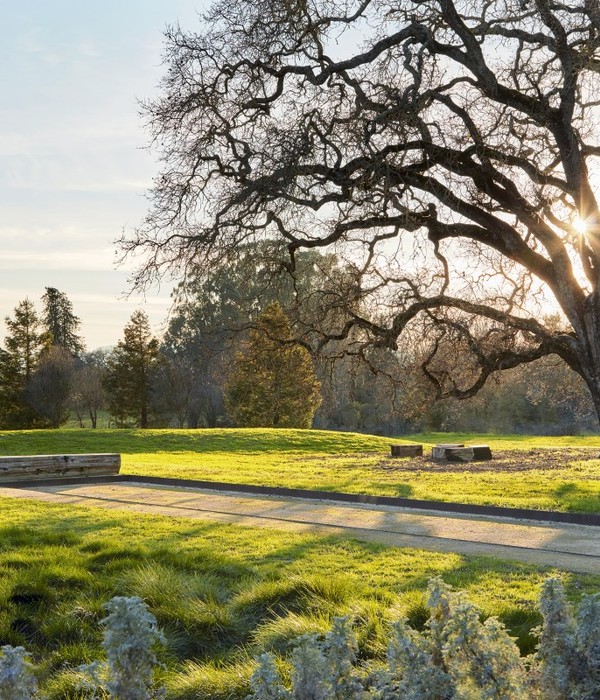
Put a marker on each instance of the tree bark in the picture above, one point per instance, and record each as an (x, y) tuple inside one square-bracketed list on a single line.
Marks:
[(144, 417), (590, 371)]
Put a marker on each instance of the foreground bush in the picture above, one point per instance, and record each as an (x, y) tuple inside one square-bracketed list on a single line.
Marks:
[(457, 657)]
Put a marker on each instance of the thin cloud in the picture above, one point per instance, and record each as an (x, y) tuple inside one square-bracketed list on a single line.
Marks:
[(57, 260)]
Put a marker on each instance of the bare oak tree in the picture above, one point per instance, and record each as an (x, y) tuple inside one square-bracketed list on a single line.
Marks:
[(444, 148)]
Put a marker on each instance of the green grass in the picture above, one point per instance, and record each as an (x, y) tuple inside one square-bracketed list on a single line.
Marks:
[(217, 440), (222, 593), (328, 461)]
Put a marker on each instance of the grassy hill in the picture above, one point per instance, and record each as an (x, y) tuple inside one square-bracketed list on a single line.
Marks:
[(192, 441), (333, 461)]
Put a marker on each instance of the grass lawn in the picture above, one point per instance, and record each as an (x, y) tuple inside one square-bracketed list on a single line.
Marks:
[(330, 461), (221, 593)]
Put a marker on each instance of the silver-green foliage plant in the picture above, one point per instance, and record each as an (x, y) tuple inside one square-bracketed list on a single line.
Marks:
[(322, 669), (130, 636), (456, 657), (16, 677), (129, 639), (480, 658), (568, 655)]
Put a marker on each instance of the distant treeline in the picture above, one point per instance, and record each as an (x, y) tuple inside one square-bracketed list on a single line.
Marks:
[(239, 350)]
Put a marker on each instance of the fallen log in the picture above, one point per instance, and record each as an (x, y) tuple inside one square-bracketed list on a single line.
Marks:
[(459, 454), (462, 453)]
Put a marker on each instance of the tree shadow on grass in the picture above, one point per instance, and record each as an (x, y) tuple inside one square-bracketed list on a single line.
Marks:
[(578, 498), (265, 578)]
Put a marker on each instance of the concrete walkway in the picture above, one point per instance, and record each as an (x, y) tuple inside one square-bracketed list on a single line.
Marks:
[(571, 547)]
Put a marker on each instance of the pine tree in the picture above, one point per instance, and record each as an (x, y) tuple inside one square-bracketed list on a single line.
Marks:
[(61, 322), (24, 343), (273, 383), (130, 372), (50, 388)]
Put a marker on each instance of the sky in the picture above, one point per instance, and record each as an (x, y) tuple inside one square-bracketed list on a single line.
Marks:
[(74, 166)]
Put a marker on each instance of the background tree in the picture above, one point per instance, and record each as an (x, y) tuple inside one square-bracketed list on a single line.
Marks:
[(88, 396), (130, 372), (61, 322), (175, 391), (449, 159), (24, 343), (546, 398), (273, 383), (216, 308), (48, 392)]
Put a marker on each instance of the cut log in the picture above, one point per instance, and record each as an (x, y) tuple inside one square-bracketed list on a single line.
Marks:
[(439, 451), (459, 454), (45, 466), (407, 450), (481, 453)]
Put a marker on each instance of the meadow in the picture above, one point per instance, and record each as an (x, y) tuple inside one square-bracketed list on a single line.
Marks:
[(224, 593), (331, 461)]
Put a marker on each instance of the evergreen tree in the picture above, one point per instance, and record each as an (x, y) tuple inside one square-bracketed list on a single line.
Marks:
[(273, 383), (50, 388), (130, 372), (24, 344), (61, 322), (215, 308)]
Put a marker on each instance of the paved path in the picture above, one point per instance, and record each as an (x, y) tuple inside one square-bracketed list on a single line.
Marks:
[(571, 547)]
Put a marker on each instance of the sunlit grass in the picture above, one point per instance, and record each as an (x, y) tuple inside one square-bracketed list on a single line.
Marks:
[(244, 440), (222, 593), (330, 461)]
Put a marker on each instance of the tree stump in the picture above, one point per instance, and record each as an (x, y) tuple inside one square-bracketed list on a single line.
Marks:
[(481, 453), (439, 451), (460, 453), (407, 450)]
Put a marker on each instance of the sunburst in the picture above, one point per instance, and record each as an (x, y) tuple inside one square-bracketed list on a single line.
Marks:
[(579, 225)]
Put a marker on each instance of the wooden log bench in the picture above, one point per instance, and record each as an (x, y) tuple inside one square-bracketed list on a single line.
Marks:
[(51, 466), (462, 453), (406, 450)]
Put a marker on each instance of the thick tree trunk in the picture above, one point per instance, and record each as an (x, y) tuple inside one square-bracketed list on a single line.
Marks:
[(588, 349), (591, 376)]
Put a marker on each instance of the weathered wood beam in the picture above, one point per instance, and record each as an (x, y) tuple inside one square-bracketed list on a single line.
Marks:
[(406, 450), (460, 453), (43, 466)]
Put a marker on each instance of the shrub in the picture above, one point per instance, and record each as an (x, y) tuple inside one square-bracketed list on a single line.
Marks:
[(457, 657), (16, 678)]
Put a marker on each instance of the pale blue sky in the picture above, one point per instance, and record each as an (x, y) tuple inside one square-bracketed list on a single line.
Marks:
[(73, 168)]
